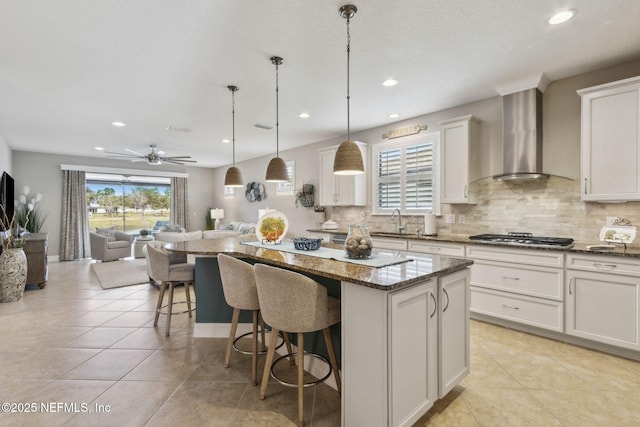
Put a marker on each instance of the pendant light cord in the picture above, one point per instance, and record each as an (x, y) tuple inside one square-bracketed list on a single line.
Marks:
[(348, 79), (233, 124), (277, 113)]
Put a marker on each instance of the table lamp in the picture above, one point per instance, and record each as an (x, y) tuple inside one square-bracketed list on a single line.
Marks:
[(217, 214)]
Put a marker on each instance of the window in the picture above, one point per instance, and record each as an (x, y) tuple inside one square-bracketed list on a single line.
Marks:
[(126, 202), (405, 175), (286, 188)]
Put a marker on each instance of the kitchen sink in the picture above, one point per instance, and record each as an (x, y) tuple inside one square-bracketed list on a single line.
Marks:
[(390, 234)]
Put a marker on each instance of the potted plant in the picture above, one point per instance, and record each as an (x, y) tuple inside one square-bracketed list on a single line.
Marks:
[(27, 215), (318, 212), (145, 234), (13, 261), (304, 196)]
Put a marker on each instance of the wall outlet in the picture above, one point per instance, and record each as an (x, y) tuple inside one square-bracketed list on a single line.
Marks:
[(450, 219), (461, 219)]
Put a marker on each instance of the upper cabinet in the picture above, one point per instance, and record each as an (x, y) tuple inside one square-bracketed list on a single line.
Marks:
[(458, 154), (341, 190), (610, 141)]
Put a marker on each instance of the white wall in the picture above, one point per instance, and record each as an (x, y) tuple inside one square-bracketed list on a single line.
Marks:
[(5, 157)]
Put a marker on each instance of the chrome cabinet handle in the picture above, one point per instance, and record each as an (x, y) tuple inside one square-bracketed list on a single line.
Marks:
[(606, 266), (570, 285), (510, 306), (585, 186), (435, 305), (510, 278), (447, 295)]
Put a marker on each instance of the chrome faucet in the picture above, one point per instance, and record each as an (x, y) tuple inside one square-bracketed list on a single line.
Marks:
[(393, 216)]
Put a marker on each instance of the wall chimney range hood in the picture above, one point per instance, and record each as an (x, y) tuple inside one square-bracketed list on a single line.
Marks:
[(522, 136)]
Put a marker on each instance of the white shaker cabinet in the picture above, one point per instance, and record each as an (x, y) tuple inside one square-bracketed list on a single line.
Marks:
[(453, 331), (458, 159), (603, 299), (610, 141), (341, 190)]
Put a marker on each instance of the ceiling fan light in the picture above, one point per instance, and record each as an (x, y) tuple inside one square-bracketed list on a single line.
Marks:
[(233, 177), (277, 171), (348, 159)]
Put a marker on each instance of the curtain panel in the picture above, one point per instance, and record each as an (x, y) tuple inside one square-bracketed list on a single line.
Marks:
[(74, 238), (179, 202)]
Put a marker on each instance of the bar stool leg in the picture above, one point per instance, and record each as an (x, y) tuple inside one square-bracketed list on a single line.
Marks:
[(300, 379), (332, 358), (264, 341), (232, 335), (254, 349), (188, 295), (287, 341), (267, 363), (169, 308), (163, 285)]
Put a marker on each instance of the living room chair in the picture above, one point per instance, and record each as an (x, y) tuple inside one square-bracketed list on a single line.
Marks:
[(292, 302), (104, 249), (170, 272)]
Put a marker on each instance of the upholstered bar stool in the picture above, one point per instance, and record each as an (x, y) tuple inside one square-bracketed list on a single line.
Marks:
[(170, 270), (239, 287), (292, 302)]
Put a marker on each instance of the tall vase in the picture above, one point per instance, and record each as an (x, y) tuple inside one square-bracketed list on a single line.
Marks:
[(13, 274)]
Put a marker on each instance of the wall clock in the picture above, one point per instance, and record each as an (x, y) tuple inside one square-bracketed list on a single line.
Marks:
[(254, 192)]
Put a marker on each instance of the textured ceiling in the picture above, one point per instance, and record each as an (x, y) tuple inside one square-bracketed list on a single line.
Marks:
[(69, 68)]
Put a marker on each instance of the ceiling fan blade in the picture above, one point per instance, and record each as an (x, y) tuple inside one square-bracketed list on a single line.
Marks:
[(135, 152), (119, 154), (172, 161), (139, 159), (177, 159)]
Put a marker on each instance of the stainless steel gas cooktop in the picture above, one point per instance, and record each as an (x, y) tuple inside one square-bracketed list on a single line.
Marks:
[(523, 239)]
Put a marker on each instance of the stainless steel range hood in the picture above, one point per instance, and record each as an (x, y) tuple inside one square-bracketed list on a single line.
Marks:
[(522, 136)]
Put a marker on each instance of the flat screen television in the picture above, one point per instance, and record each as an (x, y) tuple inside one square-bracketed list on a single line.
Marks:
[(7, 197)]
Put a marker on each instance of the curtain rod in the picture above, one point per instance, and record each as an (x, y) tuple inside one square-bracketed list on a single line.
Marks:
[(102, 169)]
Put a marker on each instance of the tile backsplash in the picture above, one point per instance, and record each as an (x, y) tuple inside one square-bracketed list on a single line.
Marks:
[(549, 207)]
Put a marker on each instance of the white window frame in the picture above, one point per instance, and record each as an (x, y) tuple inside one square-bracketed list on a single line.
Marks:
[(287, 188), (402, 143)]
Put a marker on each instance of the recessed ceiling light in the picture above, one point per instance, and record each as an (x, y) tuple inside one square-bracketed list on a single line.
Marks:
[(390, 82), (561, 17), (118, 124), (394, 115), (225, 141), (98, 148), (303, 115)]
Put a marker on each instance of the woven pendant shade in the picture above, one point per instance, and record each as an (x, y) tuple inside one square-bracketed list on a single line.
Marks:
[(277, 171), (348, 160), (233, 178)]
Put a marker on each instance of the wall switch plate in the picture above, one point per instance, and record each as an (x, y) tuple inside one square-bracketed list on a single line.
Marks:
[(450, 219), (461, 219), (611, 220)]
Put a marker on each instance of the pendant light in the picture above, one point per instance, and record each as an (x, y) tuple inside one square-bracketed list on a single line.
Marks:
[(348, 159), (233, 177), (277, 168)]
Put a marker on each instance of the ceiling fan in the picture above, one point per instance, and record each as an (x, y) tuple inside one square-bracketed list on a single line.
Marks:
[(155, 157)]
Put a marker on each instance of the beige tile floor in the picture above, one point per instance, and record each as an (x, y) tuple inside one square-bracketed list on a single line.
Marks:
[(73, 343)]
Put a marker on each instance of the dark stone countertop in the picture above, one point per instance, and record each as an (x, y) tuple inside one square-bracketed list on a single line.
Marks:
[(422, 267)]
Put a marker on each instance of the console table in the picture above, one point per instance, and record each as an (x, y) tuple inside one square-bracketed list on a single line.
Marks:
[(35, 248)]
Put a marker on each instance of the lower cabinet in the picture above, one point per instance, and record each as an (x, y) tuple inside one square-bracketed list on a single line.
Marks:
[(389, 243), (603, 300), (524, 286), (407, 355)]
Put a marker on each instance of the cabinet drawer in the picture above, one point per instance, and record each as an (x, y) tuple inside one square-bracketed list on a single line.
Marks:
[(522, 256), (538, 282), (522, 309), (393, 244), (437, 248), (604, 264)]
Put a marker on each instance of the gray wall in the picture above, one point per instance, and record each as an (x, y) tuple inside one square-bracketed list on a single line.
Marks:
[(42, 173)]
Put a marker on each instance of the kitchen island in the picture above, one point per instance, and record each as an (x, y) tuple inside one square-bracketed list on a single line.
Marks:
[(404, 332)]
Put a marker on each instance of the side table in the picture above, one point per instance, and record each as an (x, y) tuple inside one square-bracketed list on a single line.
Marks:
[(138, 246), (35, 248)]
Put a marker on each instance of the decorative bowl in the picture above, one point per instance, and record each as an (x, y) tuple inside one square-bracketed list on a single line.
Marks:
[(306, 244)]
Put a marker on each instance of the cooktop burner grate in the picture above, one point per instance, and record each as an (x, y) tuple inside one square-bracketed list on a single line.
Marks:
[(523, 239)]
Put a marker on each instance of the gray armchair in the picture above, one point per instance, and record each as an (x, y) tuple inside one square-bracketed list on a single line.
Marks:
[(104, 250)]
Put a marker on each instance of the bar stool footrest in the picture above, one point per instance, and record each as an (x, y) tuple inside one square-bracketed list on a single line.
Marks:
[(164, 312), (260, 351), (307, 384)]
